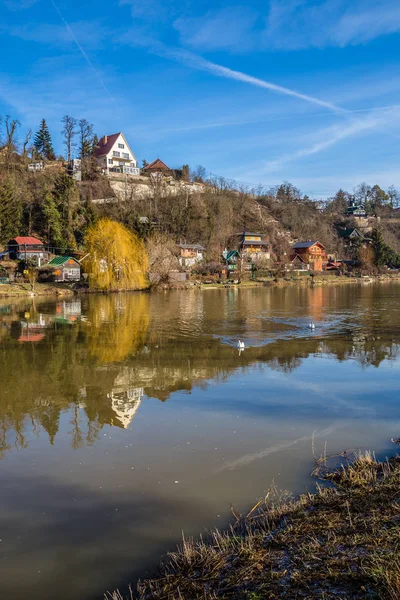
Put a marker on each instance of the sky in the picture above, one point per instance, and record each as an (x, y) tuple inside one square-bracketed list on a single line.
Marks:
[(305, 91)]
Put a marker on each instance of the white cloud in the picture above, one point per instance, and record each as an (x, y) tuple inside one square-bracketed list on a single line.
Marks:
[(300, 24), (93, 33), (229, 28)]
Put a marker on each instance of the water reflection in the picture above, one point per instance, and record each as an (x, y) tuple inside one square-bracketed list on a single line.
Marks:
[(107, 401), (121, 348)]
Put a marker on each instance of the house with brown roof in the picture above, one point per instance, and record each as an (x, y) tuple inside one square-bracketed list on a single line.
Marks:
[(157, 166), (312, 253), (114, 155)]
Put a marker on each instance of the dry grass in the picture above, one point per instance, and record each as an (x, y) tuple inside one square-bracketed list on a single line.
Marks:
[(342, 542)]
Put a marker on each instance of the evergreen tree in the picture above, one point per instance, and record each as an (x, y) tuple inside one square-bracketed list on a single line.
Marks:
[(384, 254), (43, 143), (66, 197), (53, 222), (10, 212), (95, 141)]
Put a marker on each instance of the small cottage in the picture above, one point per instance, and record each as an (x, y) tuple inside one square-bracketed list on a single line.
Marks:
[(157, 167), (29, 249), (356, 210), (312, 253), (231, 259), (66, 268), (190, 254)]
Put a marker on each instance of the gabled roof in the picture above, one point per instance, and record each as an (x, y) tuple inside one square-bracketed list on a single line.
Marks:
[(347, 233), (230, 254), (298, 245), (58, 261), (26, 240), (191, 247), (248, 233), (297, 257), (104, 148), (157, 164)]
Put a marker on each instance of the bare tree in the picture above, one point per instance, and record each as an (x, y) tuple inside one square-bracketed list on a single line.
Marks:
[(27, 139), (11, 137), (199, 174), (69, 132)]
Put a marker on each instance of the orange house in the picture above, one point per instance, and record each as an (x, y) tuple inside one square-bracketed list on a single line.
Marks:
[(312, 253)]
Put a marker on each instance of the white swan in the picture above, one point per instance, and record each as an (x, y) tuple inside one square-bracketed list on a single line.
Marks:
[(240, 345), (311, 325)]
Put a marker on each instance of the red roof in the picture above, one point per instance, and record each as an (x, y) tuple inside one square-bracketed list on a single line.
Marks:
[(104, 147), (29, 241), (157, 164), (35, 337)]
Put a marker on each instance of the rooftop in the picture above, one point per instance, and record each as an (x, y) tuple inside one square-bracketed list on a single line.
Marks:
[(26, 241), (156, 164), (191, 247), (57, 261), (306, 244)]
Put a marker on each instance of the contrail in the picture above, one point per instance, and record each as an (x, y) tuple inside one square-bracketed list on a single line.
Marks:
[(338, 134), (202, 64), (81, 50), (249, 458)]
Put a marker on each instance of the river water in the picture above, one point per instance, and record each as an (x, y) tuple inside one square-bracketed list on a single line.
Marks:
[(127, 419)]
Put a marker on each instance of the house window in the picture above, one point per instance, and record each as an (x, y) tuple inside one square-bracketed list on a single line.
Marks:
[(116, 154), (122, 146), (110, 161), (125, 155)]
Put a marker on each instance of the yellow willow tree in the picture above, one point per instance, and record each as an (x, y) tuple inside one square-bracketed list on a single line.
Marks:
[(116, 258)]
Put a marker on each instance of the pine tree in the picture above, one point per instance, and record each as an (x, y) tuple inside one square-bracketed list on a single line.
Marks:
[(53, 222), (43, 143), (66, 197), (10, 212)]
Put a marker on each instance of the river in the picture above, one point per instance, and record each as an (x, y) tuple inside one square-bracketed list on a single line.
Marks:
[(127, 419)]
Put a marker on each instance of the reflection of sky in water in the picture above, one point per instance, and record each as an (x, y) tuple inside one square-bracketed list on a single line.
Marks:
[(99, 477)]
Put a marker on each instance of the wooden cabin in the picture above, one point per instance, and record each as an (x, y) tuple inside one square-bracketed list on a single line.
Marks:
[(28, 248), (252, 245), (66, 268), (312, 253)]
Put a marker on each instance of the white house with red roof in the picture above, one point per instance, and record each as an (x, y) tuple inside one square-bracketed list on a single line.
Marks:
[(28, 248), (114, 155)]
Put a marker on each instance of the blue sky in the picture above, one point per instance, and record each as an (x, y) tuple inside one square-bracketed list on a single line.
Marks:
[(305, 91)]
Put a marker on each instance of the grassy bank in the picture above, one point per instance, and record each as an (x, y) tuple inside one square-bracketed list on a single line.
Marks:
[(24, 290), (341, 542)]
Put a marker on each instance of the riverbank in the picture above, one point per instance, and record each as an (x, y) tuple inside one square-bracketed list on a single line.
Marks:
[(24, 290), (305, 280), (342, 542), (63, 289)]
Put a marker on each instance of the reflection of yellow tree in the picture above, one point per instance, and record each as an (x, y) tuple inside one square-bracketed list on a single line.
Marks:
[(117, 259), (117, 326)]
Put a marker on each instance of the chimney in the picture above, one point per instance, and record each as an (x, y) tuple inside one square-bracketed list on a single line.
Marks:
[(105, 140)]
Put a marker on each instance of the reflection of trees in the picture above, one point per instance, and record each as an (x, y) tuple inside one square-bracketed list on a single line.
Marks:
[(117, 326), (99, 368)]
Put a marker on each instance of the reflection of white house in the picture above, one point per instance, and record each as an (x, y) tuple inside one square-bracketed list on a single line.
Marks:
[(125, 403), (114, 155)]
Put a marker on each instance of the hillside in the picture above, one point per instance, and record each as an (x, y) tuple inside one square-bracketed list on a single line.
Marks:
[(53, 206)]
